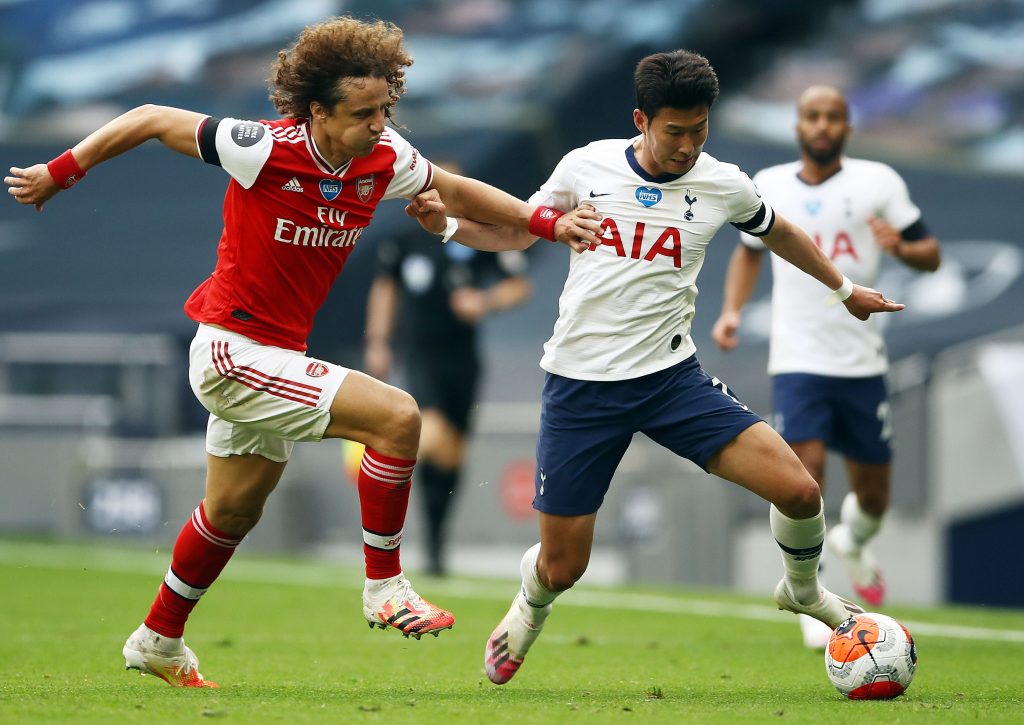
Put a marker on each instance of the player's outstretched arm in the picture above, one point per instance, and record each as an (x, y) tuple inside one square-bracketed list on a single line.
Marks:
[(433, 215), (471, 199), (173, 127), (740, 281), (792, 244), (575, 229)]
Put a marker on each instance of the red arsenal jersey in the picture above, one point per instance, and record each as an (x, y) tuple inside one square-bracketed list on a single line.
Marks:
[(290, 222)]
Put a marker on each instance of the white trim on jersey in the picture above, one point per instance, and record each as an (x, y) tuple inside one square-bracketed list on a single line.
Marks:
[(322, 162), (292, 134)]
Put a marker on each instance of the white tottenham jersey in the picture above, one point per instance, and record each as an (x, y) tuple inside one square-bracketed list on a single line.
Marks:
[(627, 304), (808, 336)]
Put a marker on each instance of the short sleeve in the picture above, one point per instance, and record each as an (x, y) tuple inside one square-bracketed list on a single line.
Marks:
[(894, 199), (239, 147), (748, 212), (749, 240), (559, 191), (413, 173)]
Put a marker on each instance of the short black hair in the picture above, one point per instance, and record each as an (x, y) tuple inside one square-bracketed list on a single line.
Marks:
[(678, 79)]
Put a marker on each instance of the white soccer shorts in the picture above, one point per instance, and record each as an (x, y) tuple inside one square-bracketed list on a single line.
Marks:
[(261, 398)]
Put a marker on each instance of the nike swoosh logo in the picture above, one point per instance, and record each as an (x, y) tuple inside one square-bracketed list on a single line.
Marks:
[(594, 196), (863, 637)]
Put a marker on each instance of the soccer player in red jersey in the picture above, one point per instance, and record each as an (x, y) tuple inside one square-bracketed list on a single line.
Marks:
[(302, 191)]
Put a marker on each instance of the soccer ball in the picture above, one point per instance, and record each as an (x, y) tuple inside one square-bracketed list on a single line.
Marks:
[(871, 657)]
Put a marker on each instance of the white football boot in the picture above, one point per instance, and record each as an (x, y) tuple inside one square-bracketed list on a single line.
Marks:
[(831, 609), (165, 657), (393, 603)]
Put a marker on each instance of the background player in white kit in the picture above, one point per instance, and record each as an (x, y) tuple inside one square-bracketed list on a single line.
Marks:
[(828, 384), (621, 359), (302, 190)]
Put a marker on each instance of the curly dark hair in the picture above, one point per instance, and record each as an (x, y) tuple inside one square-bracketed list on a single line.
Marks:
[(679, 79), (326, 53)]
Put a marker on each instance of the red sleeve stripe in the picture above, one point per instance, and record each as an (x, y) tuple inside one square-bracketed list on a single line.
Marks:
[(430, 177)]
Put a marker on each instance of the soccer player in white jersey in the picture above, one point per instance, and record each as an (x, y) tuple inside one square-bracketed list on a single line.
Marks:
[(828, 369), (302, 190), (621, 359)]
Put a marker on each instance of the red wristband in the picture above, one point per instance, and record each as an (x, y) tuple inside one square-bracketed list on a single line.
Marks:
[(542, 222), (65, 170)]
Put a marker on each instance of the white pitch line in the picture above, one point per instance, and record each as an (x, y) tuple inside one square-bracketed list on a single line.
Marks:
[(325, 576)]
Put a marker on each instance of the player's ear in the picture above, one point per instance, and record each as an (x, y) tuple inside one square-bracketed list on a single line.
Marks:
[(640, 120), (317, 110)]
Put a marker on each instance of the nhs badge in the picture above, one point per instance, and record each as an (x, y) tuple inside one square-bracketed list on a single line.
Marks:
[(330, 188), (648, 195)]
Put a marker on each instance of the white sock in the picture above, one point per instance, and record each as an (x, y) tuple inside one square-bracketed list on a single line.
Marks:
[(162, 644), (537, 598), (861, 525), (800, 541)]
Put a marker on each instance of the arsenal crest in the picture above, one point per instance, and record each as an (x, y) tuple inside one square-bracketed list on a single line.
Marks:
[(316, 370), (364, 187)]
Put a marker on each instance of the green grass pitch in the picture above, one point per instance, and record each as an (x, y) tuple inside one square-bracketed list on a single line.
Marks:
[(287, 643)]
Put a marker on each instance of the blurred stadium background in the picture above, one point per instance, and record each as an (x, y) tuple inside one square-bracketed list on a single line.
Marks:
[(101, 439)]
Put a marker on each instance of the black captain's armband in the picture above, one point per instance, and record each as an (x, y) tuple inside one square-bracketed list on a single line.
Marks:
[(208, 141), (755, 221), (915, 232)]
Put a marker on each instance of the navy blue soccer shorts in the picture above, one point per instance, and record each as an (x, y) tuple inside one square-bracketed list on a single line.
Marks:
[(586, 426), (851, 415)]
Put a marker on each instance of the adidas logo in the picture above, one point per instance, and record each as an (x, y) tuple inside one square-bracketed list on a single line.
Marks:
[(293, 185)]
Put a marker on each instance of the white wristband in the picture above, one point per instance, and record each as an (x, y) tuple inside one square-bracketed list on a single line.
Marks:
[(450, 229), (841, 294)]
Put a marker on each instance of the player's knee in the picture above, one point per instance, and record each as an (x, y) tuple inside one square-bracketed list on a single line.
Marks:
[(875, 503), (403, 427), (235, 518), (801, 500), (560, 576)]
